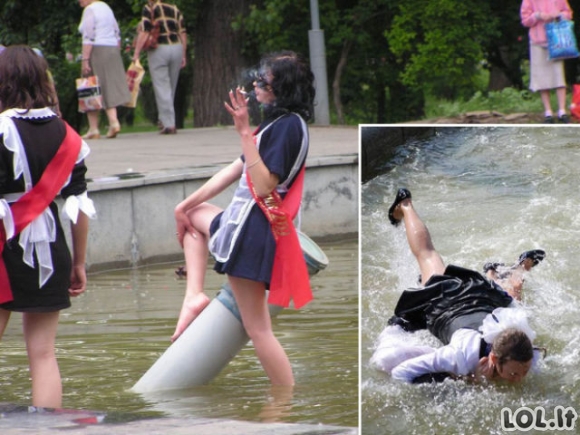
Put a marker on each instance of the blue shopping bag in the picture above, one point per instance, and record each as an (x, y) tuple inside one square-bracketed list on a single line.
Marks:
[(561, 40)]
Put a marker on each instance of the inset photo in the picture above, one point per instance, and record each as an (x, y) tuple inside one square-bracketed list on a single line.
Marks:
[(469, 294)]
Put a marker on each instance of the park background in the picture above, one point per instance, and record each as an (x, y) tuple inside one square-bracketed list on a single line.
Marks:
[(387, 60)]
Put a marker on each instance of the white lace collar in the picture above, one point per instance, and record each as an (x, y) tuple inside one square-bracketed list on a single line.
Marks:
[(45, 112)]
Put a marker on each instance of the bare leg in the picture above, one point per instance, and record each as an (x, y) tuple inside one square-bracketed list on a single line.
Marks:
[(93, 118), (112, 116), (545, 96), (114, 126), (196, 257), (429, 260), (40, 335), (251, 300), (513, 281), (4, 318), (561, 94), (279, 404)]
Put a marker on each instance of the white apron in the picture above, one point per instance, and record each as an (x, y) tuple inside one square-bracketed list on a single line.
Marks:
[(222, 242)]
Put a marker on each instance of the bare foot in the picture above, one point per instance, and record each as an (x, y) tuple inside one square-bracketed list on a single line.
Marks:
[(191, 308), (398, 212), (512, 282)]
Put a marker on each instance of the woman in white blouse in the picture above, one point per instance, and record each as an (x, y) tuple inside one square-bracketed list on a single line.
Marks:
[(101, 56)]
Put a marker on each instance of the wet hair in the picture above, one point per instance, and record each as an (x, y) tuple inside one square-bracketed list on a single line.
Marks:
[(512, 345), (292, 83), (24, 80)]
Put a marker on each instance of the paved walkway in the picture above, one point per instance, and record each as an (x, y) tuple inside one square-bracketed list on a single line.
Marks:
[(197, 147)]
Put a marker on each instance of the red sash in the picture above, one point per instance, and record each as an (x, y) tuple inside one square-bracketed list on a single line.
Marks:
[(36, 200), (290, 278)]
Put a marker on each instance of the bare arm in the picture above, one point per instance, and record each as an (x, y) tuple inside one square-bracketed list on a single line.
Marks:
[(79, 233), (141, 38), (183, 38), (212, 187), (264, 181), (86, 56)]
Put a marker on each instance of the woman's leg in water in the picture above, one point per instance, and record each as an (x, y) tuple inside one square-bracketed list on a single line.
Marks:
[(251, 300), (419, 239)]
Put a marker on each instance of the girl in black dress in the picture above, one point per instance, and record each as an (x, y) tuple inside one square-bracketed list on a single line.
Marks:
[(38, 275)]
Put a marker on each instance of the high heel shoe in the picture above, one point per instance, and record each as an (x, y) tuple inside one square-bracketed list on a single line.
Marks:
[(92, 134), (113, 131)]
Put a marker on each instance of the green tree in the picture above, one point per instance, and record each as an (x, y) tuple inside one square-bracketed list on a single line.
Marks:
[(441, 43), (360, 67)]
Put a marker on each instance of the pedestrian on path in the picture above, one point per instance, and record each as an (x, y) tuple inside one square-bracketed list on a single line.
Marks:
[(101, 56), (166, 58), (546, 74)]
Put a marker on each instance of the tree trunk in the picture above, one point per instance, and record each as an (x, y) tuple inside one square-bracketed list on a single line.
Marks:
[(336, 82), (218, 61)]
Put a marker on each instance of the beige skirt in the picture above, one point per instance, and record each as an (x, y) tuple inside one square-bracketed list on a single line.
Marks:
[(544, 73), (107, 65)]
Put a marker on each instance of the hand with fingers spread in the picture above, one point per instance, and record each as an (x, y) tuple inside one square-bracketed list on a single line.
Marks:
[(238, 108)]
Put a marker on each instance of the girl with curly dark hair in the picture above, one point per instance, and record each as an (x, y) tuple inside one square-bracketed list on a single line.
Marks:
[(253, 240)]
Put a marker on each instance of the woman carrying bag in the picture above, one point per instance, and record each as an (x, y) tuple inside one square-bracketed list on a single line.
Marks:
[(102, 58), (546, 74), (166, 56)]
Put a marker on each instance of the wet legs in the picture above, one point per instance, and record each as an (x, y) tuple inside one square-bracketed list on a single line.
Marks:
[(40, 336), (419, 239), (251, 300)]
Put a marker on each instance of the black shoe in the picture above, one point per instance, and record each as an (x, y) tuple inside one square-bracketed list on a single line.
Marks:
[(535, 255), (402, 194), (548, 120), (564, 119), (492, 266), (181, 272)]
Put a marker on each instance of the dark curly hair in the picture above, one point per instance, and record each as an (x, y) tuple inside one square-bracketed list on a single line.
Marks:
[(24, 80), (292, 84)]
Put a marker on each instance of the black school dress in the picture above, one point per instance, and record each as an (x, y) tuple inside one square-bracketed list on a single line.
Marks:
[(41, 138), (460, 298)]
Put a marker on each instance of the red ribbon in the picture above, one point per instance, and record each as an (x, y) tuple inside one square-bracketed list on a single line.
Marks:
[(290, 280), (36, 200)]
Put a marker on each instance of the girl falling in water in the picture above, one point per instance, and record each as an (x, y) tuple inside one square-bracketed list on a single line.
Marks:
[(484, 335)]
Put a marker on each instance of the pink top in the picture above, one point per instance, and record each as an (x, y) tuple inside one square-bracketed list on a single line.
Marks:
[(530, 15)]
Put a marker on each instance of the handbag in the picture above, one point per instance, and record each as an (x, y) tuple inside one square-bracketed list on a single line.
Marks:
[(561, 40), (152, 40), (134, 75), (89, 94)]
